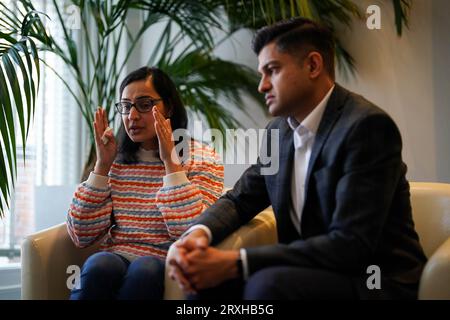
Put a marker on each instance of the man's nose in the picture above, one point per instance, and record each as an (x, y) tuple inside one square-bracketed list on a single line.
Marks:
[(264, 85)]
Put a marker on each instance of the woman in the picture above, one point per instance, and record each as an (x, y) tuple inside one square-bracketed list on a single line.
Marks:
[(140, 198)]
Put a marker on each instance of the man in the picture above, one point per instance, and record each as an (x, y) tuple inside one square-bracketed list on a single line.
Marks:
[(340, 198)]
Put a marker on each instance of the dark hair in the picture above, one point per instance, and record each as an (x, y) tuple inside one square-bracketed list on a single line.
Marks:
[(167, 90), (298, 36)]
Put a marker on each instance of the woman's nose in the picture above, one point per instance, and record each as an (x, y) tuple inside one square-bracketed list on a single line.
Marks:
[(134, 114)]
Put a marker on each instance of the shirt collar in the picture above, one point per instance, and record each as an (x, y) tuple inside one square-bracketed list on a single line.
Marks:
[(312, 121), (309, 126)]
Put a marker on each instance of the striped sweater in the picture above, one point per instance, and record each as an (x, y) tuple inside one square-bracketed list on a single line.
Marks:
[(138, 210)]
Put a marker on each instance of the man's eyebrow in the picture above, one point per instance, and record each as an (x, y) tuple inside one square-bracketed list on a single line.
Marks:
[(265, 66)]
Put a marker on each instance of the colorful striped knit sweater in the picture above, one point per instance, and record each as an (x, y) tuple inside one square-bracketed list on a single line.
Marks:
[(141, 210)]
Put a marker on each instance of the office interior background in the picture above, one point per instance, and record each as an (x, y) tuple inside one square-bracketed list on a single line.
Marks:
[(407, 76)]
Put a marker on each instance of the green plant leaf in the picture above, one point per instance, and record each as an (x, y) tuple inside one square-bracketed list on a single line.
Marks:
[(401, 11), (208, 85), (17, 94), (17, 57)]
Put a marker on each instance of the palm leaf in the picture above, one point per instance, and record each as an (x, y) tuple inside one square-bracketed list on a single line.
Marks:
[(212, 79), (207, 84), (18, 63), (401, 10), (328, 12)]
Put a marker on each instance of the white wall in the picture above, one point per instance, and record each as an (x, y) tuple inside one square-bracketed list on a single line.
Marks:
[(409, 77), (239, 50), (441, 90)]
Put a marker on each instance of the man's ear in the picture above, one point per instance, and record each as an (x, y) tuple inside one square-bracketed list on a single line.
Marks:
[(315, 64)]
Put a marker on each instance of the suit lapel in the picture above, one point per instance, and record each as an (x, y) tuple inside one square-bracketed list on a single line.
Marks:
[(286, 230), (286, 158), (330, 115)]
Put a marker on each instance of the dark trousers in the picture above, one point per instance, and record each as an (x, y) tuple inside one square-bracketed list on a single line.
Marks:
[(295, 283), (107, 275)]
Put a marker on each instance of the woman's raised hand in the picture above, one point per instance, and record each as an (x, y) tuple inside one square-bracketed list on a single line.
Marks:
[(105, 143), (166, 144)]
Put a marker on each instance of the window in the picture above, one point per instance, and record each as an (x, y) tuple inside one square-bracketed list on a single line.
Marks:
[(46, 181)]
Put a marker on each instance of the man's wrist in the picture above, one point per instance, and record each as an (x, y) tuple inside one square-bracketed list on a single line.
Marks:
[(235, 265)]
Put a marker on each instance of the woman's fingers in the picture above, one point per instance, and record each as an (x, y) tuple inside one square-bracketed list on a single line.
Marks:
[(159, 117), (102, 133), (105, 118), (161, 132), (99, 120), (108, 136), (168, 126), (96, 134), (162, 137), (164, 133), (102, 120), (158, 130)]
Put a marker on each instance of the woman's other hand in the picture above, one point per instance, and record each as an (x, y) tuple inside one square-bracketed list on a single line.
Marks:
[(166, 144), (105, 143)]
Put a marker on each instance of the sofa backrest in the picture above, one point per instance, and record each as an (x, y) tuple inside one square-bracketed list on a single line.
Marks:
[(431, 212)]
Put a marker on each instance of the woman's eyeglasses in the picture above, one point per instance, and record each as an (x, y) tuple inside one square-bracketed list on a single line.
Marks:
[(142, 105)]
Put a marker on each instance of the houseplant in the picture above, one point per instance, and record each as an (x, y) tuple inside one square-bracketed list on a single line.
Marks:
[(201, 77), (19, 83)]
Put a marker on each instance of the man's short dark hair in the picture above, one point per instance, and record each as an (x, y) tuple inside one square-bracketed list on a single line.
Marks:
[(298, 37)]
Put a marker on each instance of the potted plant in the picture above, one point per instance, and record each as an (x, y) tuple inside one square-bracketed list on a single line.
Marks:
[(201, 77)]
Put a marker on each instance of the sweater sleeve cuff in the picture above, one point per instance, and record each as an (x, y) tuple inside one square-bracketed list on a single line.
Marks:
[(175, 179), (97, 181)]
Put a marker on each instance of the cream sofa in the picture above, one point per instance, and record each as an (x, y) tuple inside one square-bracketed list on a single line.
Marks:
[(47, 254)]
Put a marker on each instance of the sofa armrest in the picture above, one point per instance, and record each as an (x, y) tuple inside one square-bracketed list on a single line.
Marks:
[(261, 230), (45, 258), (435, 279)]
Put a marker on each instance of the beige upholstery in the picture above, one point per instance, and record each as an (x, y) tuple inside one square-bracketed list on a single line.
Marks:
[(431, 211), (47, 254), (45, 258)]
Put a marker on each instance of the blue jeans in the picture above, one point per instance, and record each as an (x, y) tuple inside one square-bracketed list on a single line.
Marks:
[(107, 275)]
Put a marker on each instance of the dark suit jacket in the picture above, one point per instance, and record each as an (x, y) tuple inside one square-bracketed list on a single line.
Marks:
[(357, 208)]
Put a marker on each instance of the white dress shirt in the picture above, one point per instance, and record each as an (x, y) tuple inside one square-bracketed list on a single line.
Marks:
[(304, 136)]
